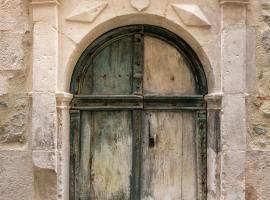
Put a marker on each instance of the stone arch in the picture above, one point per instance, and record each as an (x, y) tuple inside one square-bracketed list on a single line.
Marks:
[(187, 52), (132, 19), (126, 20)]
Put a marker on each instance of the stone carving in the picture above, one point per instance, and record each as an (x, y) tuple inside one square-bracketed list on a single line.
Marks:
[(87, 11), (140, 4), (191, 14)]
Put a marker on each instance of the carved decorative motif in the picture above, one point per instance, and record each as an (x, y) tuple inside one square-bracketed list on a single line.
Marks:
[(87, 11), (191, 14), (140, 4)]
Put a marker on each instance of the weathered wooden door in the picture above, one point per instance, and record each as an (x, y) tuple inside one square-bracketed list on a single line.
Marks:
[(138, 120)]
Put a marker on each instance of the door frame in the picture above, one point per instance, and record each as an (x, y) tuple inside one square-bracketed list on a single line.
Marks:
[(190, 102)]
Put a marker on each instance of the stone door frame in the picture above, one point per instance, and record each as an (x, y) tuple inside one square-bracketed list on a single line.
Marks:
[(226, 99)]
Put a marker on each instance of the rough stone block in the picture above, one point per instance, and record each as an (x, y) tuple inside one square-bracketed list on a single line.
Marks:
[(45, 57), (257, 175), (13, 15), (14, 117), (233, 175), (11, 51), (45, 184), (233, 122), (234, 59), (44, 124), (16, 175), (44, 159), (233, 14)]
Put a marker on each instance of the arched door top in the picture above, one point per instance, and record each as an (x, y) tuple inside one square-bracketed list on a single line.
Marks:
[(138, 118), (108, 38)]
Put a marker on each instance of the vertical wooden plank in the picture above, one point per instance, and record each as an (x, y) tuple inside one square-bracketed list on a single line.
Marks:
[(201, 146), (165, 70), (74, 154), (84, 170), (111, 69), (162, 155), (189, 161), (136, 154), (111, 154)]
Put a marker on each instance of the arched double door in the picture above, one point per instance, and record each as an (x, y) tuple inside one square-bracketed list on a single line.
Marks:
[(138, 118)]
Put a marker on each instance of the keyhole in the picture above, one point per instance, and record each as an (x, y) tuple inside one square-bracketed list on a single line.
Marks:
[(151, 142), (151, 139)]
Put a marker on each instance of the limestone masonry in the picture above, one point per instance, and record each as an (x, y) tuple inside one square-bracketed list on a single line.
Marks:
[(41, 41)]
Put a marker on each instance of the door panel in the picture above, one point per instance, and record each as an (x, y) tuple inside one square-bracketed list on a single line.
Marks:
[(136, 134), (168, 158), (106, 155), (110, 71), (165, 70)]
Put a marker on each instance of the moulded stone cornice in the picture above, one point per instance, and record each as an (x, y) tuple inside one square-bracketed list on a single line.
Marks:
[(241, 2), (214, 101), (44, 2), (63, 99)]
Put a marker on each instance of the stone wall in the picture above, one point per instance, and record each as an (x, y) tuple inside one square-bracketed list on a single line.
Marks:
[(16, 171), (258, 76), (40, 42)]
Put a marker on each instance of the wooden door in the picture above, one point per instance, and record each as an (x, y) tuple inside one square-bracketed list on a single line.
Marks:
[(137, 124)]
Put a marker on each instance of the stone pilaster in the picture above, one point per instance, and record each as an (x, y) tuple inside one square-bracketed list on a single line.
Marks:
[(45, 63), (214, 103), (44, 112), (63, 143), (233, 112)]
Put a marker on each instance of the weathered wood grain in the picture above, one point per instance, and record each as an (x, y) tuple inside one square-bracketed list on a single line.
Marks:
[(165, 71), (85, 160), (164, 164), (110, 71), (107, 150), (75, 122), (118, 153), (189, 158)]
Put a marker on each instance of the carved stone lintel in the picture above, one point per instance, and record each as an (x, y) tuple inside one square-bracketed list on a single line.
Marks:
[(63, 100), (44, 2), (239, 2), (214, 101)]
